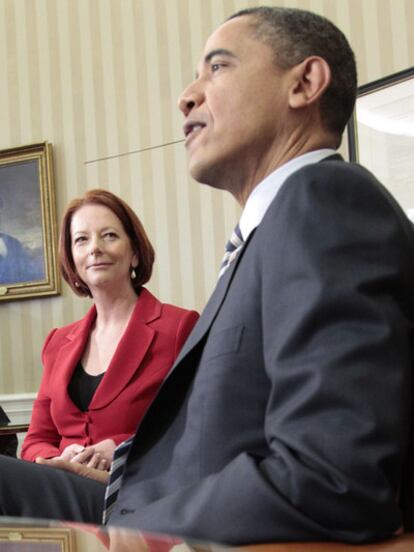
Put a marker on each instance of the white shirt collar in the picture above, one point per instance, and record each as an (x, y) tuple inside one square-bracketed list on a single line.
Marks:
[(263, 194)]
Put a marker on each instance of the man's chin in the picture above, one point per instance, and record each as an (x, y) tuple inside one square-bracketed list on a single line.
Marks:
[(213, 176), (203, 173), (196, 170)]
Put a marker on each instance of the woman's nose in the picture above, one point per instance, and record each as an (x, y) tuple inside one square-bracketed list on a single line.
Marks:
[(95, 247)]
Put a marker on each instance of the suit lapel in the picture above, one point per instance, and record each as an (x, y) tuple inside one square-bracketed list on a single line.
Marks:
[(216, 300), (130, 352), (168, 390), (212, 308)]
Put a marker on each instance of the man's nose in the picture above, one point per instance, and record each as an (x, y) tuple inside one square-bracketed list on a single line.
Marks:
[(191, 97)]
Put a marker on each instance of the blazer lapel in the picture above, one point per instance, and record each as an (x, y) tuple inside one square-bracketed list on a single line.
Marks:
[(130, 352), (71, 351)]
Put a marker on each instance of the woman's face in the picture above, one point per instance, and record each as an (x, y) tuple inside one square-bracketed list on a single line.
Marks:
[(101, 249)]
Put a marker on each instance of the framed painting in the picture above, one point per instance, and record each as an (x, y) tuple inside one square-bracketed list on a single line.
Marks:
[(33, 539), (28, 262), (381, 134)]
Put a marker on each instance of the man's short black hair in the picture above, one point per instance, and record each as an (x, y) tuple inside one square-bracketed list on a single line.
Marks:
[(294, 35)]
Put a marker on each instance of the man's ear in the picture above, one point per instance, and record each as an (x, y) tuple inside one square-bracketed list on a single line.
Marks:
[(312, 77)]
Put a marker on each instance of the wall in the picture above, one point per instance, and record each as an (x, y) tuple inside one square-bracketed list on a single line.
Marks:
[(101, 77)]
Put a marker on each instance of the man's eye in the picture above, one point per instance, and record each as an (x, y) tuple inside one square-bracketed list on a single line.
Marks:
[(216, 66)]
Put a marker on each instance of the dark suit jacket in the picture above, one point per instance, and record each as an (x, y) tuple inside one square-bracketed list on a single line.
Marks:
[(151, 342), (286, 415)]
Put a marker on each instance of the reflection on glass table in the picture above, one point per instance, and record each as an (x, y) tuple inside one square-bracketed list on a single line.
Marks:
[(25, 535)]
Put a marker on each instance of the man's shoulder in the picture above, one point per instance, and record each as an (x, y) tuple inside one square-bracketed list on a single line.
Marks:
[(335, 165), (330, 189), (331, 176)]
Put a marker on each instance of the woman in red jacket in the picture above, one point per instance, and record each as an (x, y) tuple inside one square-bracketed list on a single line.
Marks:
[(102, 372)]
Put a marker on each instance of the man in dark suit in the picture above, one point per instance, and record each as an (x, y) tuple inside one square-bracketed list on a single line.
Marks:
[(286, 415)]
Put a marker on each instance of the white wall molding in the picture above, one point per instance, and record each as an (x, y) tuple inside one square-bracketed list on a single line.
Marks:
[(18, 406)]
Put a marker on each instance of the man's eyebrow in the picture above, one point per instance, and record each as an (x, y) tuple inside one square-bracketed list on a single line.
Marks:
[(217, 52)]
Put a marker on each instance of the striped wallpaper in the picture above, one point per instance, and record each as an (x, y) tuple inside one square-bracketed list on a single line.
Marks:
[(99, 78)]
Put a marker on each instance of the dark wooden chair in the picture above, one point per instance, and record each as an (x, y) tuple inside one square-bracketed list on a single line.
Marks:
[(8, 434)]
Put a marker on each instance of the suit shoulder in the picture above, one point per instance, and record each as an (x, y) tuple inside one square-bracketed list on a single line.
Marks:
[(153, 309), (57, 336), (338, 168), (177, 313), (63, 331), (335, 195), (339, 180)]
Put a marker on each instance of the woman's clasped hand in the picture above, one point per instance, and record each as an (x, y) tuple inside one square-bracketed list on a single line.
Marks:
[(97, 456)]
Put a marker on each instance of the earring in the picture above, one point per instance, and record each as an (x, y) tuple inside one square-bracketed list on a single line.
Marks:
[(133, 274), (77, 284)]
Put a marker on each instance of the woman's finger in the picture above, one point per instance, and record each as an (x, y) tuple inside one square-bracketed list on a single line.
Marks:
[(70, 451), (95, 460), (84, 456)]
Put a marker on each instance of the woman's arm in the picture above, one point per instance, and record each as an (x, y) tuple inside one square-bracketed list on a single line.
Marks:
[(43, 437)]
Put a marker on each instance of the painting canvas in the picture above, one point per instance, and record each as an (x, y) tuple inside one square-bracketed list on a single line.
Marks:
[(27, 223), (21, 234)]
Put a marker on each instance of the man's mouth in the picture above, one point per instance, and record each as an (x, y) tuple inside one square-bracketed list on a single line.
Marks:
[(192, 128)]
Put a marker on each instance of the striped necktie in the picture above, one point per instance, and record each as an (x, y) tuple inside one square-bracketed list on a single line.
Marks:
[(233, 246), (115, 477)]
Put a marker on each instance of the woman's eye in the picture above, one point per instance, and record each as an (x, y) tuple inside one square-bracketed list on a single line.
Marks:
[(110, 235), (80, 239)]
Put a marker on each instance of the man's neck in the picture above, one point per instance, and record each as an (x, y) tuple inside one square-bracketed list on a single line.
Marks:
[(293, 148)]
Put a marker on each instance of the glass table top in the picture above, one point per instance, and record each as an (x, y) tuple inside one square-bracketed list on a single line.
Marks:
[(27, 535)]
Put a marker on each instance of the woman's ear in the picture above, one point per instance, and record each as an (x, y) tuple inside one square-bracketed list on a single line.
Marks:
[(135, 261), (312, 78)]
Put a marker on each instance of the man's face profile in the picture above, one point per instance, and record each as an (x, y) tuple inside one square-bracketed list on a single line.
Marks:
[(236, 107)]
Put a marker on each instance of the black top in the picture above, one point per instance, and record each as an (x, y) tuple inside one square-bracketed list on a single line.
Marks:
[(82, 387)]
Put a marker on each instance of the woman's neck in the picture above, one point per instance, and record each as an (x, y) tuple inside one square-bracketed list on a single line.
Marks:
[(114, 311)]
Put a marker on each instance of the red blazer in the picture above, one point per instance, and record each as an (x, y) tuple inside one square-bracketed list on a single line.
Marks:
[(145, 353)]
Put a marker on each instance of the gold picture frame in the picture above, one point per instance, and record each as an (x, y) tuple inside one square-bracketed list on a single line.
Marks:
[(47, 539), (28, 236)]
